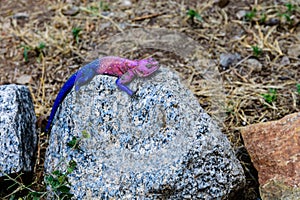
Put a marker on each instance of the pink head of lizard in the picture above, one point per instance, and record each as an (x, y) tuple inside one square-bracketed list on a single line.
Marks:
[(146, 67)]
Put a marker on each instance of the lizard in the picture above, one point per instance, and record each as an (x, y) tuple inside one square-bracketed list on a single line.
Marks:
[(124, 69)]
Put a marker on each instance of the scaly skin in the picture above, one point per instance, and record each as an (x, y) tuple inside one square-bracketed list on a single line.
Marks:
[(122, 68)]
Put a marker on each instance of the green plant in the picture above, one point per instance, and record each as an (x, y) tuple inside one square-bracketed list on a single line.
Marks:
[(58, 181), (287, 16), (263, 18), (38, 50), (104, 6), (194, 14), (74, 143), (26, 49), (250, 15), (256, 50), (290, 9), (298, 87), (85, 134), (75, 33), (96, 9), (20, 187), (271, 96), (41, 46)]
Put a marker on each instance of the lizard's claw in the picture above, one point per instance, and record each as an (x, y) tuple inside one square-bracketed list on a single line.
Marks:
[(135, 96)]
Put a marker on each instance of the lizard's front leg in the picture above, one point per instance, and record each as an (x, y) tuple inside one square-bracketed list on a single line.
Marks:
[(125, 78)]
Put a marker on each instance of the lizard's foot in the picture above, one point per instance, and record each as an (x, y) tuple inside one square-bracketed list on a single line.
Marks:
[(135, 96)]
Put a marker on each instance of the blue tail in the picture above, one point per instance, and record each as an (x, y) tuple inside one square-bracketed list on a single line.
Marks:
[(66, 88)]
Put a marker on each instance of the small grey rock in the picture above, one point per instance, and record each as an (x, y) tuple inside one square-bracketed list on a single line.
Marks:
[(228, 59), (272, 22), (21, 15), (18, 136), (241, 14), (70, 10), (285, 61), (222, 3), (254, 64), (294, 51), (126, 3), (161, 145)]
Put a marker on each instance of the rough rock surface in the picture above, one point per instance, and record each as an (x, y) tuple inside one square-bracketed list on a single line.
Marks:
[(274, 148), (18, 136), (229, 59), (161, 145)]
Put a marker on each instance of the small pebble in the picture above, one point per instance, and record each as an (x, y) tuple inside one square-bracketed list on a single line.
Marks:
[(285, 61), (228, 59), (241, 14), (126, 3), (254, 64), (222, 3), (70, 11), (21, 15), (294, 51), (272, 22)]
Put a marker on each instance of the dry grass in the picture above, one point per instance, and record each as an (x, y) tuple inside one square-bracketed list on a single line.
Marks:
[(235, 99)]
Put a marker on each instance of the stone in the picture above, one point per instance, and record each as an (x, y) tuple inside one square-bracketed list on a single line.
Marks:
[(70, 10), (222, 3), (275, 152), (285, 60), (23, 79), (294, 50), (241, 14), (160, 145), (229, 59), (254, 64), (18, 136)]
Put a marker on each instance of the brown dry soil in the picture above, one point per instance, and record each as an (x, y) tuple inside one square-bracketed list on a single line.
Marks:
[(38, 48)]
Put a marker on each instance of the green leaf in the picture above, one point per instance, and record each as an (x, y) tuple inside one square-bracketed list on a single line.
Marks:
[(72, 166), (290, 7), (26, 49), (64, 189), (57, 172), (270, 96), (74, 143), (256, 50), (250, 15), (263, 18), (75, 32), (35, 195), (298, 88), (62, 179), (194, 14), (85, 134), (104, 6), (41, 46)]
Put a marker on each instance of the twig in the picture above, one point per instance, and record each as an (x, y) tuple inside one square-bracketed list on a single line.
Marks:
[(147, 16)]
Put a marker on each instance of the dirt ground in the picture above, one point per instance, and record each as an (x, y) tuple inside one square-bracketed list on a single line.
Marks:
[(43, 42)]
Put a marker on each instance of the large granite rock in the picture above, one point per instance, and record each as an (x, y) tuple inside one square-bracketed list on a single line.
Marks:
[(161, 145), (18, 136)]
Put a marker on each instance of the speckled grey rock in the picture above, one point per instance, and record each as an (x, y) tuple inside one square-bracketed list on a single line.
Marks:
[(18, 136), (228, 59), (159, 146)]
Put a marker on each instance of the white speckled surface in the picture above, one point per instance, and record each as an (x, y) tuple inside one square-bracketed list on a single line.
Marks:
[(161, 145), (18, 136)]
